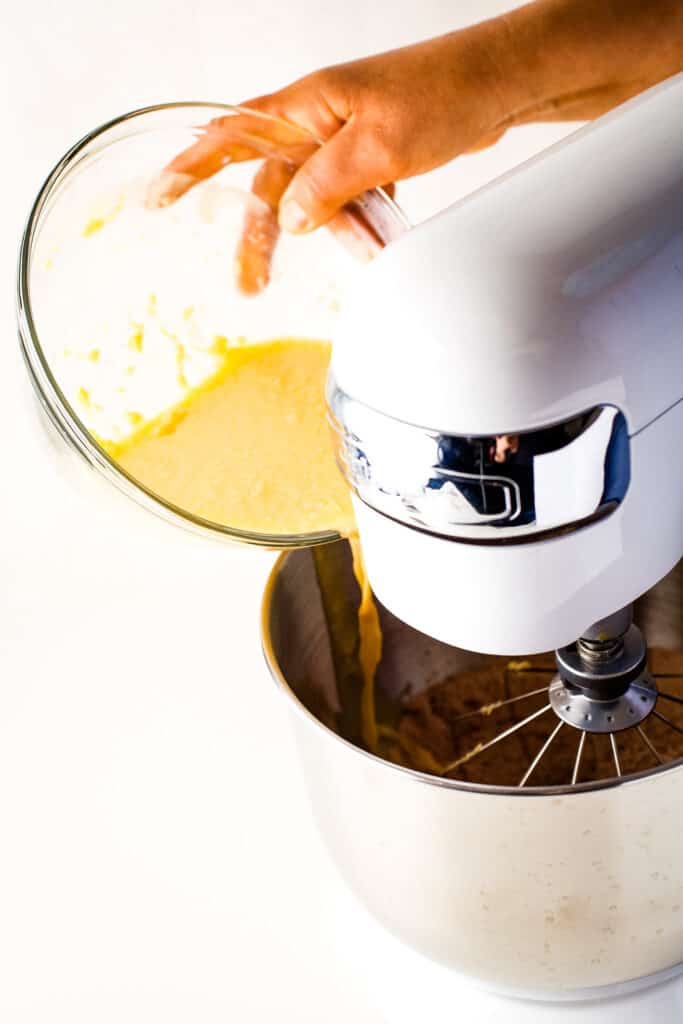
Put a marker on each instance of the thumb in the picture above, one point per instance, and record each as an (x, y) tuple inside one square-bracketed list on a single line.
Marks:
[(338, 171)]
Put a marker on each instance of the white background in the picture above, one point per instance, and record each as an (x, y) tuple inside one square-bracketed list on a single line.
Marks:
[(157, 860)]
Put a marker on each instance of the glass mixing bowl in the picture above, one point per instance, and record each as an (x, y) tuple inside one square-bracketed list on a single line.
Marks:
[(98, 270)]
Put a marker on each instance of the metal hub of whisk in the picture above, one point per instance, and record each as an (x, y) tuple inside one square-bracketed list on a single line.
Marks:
[(603, 685)]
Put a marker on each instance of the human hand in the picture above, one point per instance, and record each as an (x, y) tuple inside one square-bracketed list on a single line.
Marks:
[(366, 124), (398, 114)]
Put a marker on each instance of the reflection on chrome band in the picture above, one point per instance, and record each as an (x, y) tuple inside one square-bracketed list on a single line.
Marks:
[(502, 487)]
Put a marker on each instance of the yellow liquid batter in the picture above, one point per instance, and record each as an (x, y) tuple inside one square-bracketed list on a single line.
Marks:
[(370, 647), (250, 447)]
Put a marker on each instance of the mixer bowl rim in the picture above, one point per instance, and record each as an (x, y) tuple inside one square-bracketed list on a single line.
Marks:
[(307, 716), (53, 400)]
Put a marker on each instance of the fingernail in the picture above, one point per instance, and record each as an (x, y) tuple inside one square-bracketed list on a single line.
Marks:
[(164, 190), (293, 217)]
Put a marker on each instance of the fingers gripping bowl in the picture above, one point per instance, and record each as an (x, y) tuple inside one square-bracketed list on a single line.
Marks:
[(127, 309)]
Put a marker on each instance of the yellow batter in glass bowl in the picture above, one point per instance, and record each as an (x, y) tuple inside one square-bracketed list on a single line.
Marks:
[(168, 367), (249, 446), (200, 399)]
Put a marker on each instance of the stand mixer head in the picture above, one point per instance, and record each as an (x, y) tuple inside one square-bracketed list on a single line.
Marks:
[(510, 432)]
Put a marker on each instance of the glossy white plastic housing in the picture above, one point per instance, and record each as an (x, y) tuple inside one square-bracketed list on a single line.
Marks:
[(526, 598), (557, 288)]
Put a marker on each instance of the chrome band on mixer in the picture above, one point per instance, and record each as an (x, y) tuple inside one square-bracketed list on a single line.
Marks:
[(483, 489)]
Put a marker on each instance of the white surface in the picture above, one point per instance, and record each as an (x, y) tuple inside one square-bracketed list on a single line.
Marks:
[(157, 860)]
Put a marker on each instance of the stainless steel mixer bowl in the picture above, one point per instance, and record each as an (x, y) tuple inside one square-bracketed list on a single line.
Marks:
[(541, 891)]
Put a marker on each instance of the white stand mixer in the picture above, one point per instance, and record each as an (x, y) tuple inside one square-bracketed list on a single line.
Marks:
[(507, 383), (507, 397)]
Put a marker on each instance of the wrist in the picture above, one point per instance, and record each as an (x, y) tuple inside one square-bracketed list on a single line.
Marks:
[(494, 57), (556, 65), (524, 67)]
